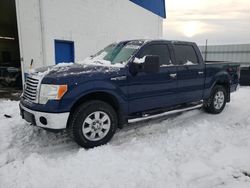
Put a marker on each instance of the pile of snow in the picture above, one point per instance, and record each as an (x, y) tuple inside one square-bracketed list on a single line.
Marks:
[(189, 63), (189, 150), (139, 60), (59, 65)]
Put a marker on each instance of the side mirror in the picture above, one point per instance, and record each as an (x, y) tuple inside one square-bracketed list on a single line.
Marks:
[(147, 64)]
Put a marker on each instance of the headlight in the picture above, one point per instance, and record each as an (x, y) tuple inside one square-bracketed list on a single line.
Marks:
[(54, 92)]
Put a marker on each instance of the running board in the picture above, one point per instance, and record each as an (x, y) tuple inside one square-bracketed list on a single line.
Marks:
[(147, 117)]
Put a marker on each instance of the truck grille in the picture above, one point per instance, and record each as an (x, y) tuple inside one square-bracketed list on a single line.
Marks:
[(30, 92)]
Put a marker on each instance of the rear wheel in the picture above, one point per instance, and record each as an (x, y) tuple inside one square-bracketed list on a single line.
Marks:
[(217, 101), (93, 124)]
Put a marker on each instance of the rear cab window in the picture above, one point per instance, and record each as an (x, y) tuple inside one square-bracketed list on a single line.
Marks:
[(185, 54)]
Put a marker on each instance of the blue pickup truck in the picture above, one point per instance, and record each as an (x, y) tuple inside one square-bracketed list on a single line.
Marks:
[(124, 81)]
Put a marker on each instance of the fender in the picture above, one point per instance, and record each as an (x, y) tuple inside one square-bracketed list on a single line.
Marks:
[(221, 77), (76, 92)]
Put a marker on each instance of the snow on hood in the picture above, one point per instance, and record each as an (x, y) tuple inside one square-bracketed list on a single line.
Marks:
[(43, 71), (65, 69)]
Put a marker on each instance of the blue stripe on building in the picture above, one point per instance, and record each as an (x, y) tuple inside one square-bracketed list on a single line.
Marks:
[(155, 6)]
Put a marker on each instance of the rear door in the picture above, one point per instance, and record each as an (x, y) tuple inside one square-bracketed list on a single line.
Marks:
[(156, 90), (190, 73)]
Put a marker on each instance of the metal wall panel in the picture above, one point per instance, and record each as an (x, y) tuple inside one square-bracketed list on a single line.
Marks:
[(239, 53)]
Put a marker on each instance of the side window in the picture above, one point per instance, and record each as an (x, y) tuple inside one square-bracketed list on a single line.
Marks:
[(160, 50), (185, 55)]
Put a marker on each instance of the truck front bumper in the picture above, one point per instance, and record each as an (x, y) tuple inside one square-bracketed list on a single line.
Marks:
[(43, 119)]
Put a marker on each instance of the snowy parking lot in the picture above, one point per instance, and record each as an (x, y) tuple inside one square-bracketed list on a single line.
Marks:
[(189, 150)]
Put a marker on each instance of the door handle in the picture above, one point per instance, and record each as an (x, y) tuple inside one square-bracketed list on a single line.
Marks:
[(200, 72), (173, 75)]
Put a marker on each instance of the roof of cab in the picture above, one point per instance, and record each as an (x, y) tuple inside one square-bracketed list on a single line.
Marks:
[(159, 40)]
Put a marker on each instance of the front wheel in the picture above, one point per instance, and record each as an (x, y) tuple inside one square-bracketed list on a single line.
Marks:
[(217, 101), (93, 124)]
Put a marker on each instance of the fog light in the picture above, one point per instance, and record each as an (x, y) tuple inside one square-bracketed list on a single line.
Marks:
[(43, 120)]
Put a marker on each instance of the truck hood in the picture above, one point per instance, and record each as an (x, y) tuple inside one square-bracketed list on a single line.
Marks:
[(69, 72)]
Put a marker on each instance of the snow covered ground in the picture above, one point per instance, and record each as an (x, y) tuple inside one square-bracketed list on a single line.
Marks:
[(189, 150)]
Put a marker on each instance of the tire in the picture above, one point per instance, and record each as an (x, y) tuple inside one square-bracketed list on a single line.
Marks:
[(217, 100), (93, 124)]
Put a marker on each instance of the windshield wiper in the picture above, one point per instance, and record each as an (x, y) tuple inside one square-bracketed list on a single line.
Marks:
[(98, 62)]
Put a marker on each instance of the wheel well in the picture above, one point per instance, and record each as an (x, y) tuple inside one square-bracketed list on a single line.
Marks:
[(226, 85), (102, 96)]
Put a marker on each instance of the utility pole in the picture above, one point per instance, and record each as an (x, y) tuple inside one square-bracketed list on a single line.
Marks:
[(206, 51)]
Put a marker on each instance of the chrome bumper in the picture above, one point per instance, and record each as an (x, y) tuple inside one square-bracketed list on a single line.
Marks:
[(45, 120)]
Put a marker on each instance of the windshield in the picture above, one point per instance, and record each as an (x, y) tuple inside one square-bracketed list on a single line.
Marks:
[(115, 54)]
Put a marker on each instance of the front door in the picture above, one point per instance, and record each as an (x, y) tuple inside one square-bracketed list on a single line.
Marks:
[(154, 90)]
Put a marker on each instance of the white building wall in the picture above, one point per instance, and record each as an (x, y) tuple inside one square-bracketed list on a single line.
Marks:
[(29, 31), (90, 24)]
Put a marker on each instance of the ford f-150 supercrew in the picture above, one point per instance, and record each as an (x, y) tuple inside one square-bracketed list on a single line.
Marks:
[(124, 81)]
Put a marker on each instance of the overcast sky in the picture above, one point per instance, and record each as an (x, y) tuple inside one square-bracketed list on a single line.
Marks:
[(219, 21)]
